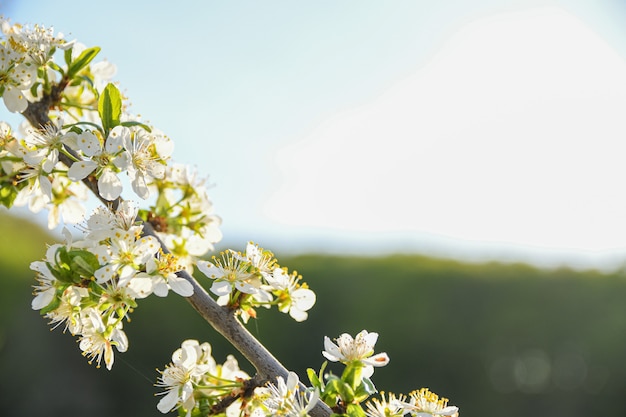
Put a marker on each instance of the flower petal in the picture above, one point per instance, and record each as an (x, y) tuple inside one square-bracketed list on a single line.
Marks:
[(109, 185), (303, 299), (221, 288), (43, 299), (298, 315), (380, 359), (14, 100), (168, 402), (140, 187), (79, 170), (331, 350), (210, 270), (88, 143), (180, 286)]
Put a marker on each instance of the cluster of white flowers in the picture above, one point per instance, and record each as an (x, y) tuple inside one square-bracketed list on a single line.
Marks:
[(194, 380), (133, 150), (88, 141), (22, 52), (358, 355), (183, 214), (255, 279), (392, 406), (36, 44), (29, 72), (89, 137), (80, 99), (29, 174), (91, 285), (422, 403), (16, 76), (289, 398), (195, 385)]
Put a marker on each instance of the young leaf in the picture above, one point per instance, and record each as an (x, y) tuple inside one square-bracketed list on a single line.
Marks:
[(83, 263), (56, 68), (34, 88), (110, 107), (315, 381), (352, 375), (68, 56), (8, 194), (82, 61), (61, 274), (355, 410), (364, 390), (132, 123), (345, 392)]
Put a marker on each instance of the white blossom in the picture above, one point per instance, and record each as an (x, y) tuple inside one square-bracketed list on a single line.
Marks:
[(287, 399), (180, 376), (230, 273), (361, 349), (160, 277), (293, 298), (37, 43), (124, 257), (424, 403), (147, 154), (386, 407), (101, 160), (99, 337), (15, 77)]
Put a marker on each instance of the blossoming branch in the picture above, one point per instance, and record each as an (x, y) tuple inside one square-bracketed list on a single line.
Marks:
[(80, 140)]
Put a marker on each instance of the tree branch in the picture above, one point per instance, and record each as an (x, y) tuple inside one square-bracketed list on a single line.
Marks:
[(224, 321)]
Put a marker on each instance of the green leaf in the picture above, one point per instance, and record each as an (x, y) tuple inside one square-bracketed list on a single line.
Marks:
[(110, 107), (83, 263), (315, 381), (33, 89), (95, 291), (82, 61), (345, 392), (364, 390), (80, 79), (64, 259), (81, 267), (56, 68), (74, 126), (135, 123), (62, 274), (56, 273), (205, 407), (75, 129), (73, 266), (332, 387), (8, 193), (352, 375), (67, 55), (355, 410)]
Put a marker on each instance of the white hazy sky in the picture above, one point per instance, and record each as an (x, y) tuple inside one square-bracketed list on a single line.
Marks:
[(488, 130)]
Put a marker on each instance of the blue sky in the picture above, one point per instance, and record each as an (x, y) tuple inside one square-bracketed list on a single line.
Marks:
[(481, 129)]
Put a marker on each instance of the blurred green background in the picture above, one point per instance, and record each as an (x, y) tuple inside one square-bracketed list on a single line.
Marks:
[(497, 339)]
